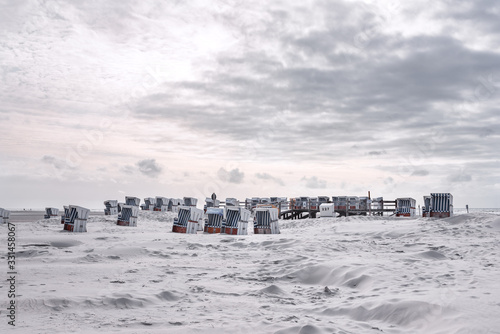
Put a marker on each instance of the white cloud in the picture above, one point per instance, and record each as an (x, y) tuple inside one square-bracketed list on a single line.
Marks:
[(314, 182), (266, 176), (232, 176), (202, 84)]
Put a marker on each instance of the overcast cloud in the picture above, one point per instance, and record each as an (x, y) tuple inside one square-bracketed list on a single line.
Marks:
[(350, 93), (232, 176), (149, 167), (268, 177), (314, 183)]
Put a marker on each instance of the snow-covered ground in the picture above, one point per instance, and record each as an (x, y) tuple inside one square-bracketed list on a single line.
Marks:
[(344, 275)]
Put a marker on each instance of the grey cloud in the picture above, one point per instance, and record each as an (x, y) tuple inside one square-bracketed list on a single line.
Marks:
[(232, 176), (266, 176), (329, 108), (388, 180), (149, 167), (459, 177), (289, 93), (480, 16), (128, 169), (376, 152), (314, 183), (57, 163), (420, 172)]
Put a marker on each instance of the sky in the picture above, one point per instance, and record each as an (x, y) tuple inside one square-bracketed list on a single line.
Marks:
[(106, 99)]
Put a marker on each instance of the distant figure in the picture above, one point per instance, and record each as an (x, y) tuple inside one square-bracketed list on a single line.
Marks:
[(214, 197), (467, 207)]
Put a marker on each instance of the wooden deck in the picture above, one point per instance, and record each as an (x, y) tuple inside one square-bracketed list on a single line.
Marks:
[(389, 207)]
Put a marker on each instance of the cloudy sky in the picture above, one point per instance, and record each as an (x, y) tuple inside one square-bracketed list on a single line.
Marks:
[(102, 99)]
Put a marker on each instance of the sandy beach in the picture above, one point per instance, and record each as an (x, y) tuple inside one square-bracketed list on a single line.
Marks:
[(343, 275)]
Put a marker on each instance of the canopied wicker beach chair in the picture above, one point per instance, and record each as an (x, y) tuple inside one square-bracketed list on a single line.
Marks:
[(51, 212), (266, 221), (4, 216), (236, 221), (161, 203), (188, 220), (111, 207), (135, 201), (76, 220), (405, 207), (213, 222), (128, 216), (441, 205), (149, 204)]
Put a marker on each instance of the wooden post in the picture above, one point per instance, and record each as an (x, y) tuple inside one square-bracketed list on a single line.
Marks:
[(369, 203), (309, 206)]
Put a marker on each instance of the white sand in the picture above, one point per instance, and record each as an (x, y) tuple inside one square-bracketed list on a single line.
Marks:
[(383, 275)]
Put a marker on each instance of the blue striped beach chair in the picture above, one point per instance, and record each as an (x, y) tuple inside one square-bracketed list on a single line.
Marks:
[(405, 207), (441, 205), (111, 207), (149, 204), (134, 201), (188, 219), (213, 223), (75, 218), (4, 216), (128, 216), (51, 212), (266, 221), (236, 221), (161, 203)]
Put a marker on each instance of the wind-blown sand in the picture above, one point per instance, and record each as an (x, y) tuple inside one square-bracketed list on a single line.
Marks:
[(344, 275)]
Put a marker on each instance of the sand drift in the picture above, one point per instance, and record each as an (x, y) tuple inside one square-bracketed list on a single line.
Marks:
[(344, 275)]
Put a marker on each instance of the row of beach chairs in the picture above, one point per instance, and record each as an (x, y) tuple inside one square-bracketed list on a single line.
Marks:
[(229, 220), (167, 204), (190, 220)]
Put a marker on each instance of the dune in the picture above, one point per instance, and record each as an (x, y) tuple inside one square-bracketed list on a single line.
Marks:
[(344, 275)]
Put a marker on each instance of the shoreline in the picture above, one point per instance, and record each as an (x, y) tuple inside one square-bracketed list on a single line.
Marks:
[(31, 216)]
